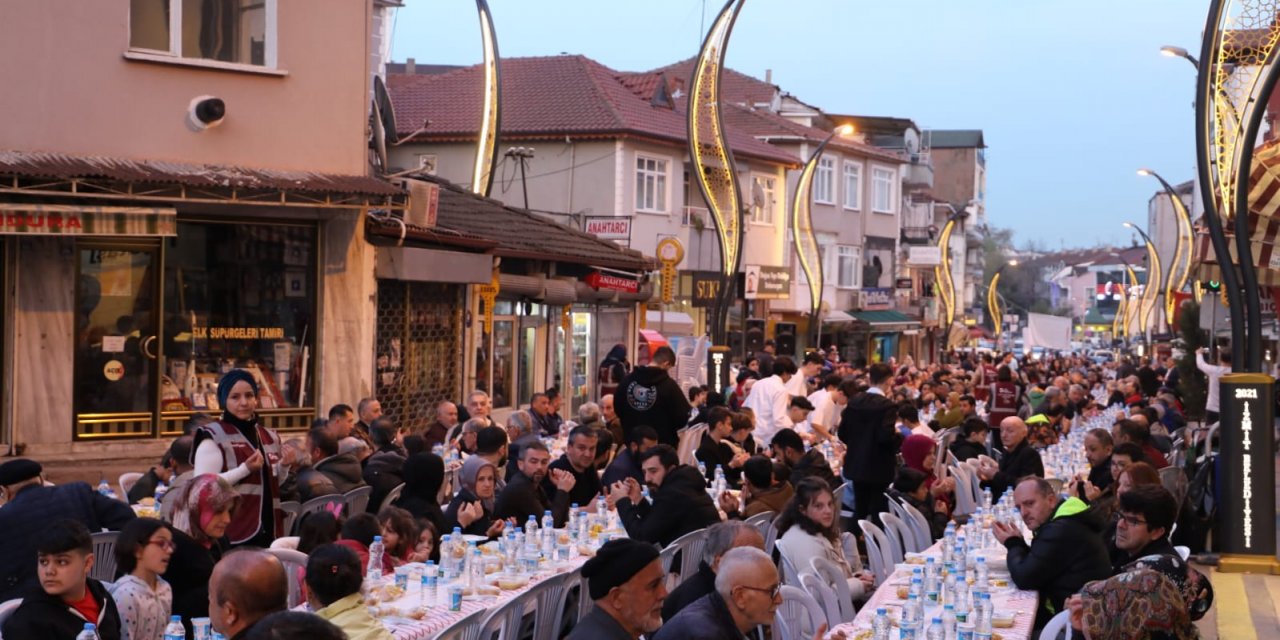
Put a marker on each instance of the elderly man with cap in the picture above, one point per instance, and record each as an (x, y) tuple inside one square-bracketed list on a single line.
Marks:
[(626, 581), (247, 455), (31, 506)]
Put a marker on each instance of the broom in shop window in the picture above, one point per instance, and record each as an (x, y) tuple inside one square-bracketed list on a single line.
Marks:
[(298, 371)]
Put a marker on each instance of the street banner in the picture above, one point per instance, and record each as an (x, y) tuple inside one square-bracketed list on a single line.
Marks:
[(1050, 332)]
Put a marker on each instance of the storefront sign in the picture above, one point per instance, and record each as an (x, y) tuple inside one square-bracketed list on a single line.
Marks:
[(113, 370), (670, 253), (903, 283), (598, 280), (767, 283), (238, 333), (718, 368), (53, 219), (924, 256), (609, 227), (488, 294), (1247, 466), (875, 299)]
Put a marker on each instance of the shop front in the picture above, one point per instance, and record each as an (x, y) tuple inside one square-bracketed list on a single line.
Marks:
[(877, 336)]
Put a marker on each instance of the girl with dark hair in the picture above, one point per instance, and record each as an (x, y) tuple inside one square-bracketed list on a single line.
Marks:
[(399, 533), (808, 529), (428, 545), (319, 528), (358, 533), (334, 577), (909, 487), (143, 598)]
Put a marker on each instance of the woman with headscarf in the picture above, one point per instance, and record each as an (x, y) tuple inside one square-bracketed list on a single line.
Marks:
[(423, 477), (1140, 604), (920, 453), (472, 508), (248, 456), (201, 516)]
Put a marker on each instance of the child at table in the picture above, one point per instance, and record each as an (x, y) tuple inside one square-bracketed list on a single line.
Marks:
[(333, 592), (68, 598)]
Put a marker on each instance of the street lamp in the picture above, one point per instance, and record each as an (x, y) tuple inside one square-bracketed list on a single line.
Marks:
[(1149, 292), (805, 242), (993, 302), (1180, 266), (1178, 52)]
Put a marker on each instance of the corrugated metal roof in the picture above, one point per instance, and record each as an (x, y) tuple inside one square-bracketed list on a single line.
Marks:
[(63, 166)]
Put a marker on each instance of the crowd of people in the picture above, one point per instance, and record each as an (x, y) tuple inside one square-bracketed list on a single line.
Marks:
[(892, 427)]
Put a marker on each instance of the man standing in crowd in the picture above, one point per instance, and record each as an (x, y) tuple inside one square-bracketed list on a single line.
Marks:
[(1066, 552), (578, 460), (246, 586), (627, 584), (648, 396), (748, 593), (871, 441), (770, 401), (827, 403), (811, 366), (524, 495), (721, 537), (30, 507), (611, 421), (680, 500)]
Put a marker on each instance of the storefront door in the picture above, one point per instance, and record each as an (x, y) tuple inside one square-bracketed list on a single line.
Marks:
[(117, 339)]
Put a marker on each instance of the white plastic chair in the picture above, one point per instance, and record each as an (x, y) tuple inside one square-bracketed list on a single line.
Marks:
[(357, 500), (127, 480), (292, 560), (1056, 625), (790, 573), (919, 526), (286, 542), (467, 628), (690, 546), (822, 593), (798, 617), (166, 505), (895, 525), (849, 544), (392, 496), (550, 596), (316, 505), (690, 438), (104, 556), (965, 504), (877, 546), (291, 510), (504, 621), (833, 577), (893, 537), (7, 608), (1183, 552), (764, 522)]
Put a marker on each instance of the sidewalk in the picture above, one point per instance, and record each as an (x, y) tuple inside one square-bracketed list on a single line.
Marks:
[(1245, 606)]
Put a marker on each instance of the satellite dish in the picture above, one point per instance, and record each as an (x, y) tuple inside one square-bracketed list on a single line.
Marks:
[(757, 195), (382, 122)]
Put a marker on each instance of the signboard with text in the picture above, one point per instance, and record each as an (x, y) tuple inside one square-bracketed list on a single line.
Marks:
[(875, 299), (1247, 466), (766, 283), (609, 228), (718, 368), (706, 288), (928, 256), (598, 280)]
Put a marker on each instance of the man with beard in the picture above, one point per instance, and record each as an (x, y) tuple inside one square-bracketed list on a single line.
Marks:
[(680, 500), (611, 421), (524, 497), (648, 396), (626, 581)]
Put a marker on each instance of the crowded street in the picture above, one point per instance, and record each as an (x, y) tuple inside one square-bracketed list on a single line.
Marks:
[(675, 320)]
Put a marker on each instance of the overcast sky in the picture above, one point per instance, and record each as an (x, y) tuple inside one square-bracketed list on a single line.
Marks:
[(1072, 95)]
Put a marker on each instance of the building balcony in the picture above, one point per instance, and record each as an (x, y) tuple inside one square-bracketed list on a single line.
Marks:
[(919, 173), (917, 235)]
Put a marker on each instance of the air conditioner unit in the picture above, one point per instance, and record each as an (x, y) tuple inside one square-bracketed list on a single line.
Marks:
[(424, 202)]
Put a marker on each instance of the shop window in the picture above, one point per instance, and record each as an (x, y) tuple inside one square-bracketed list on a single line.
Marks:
[(239, 296), (235, 31)]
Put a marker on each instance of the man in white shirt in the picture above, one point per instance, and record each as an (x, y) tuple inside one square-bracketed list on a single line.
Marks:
[(770, 401), (798, 385), (1213, 373), (827, 404)]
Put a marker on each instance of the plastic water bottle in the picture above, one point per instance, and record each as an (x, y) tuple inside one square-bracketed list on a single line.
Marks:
[(949, 584), (912, 617), (644, 493), (917, 582), (949, 543), (962, 602), (572, 522), (374, 572), (880, 625), (91, 632), (548, 524), (161, 489), (980, 573), (982, 614), (986, 497), (602, 506), (104, 488), (961, 554), (948, 621), (429, 583), (935, 631), (531, 530), (174, 630), (702, 470), (931, 580), (584, 527)]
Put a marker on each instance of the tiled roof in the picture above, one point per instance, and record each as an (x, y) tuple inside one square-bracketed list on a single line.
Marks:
[(64, 166), (765, 124), (735, 87), (520, 234), (548, 97)]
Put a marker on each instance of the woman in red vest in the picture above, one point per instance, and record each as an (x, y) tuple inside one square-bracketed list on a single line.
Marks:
[(1004, 397), (248, 456)]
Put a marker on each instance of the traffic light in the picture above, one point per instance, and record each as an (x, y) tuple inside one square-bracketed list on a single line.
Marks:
[(1212, 286)]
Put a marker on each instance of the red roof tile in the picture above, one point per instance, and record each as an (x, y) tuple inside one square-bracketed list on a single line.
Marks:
[(549, 96), (735, 87)]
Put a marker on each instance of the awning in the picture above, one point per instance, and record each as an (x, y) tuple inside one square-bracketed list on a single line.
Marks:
[(417, 264), (675, 323), (837, 317), (885, 321), (64, 220)]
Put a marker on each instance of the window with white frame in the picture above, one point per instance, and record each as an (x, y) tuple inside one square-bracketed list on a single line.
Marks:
[(651, 184), (824, 187), (232, 31), (882, 190), (848, 263), (764, 198), (852, 185)]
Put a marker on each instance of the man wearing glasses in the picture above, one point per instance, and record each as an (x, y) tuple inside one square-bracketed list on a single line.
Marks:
[(748, 592)]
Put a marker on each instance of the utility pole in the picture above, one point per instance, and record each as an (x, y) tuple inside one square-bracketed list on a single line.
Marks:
[(522, 155)]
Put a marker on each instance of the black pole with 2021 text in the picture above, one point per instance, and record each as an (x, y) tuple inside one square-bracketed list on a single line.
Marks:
[(1246, 465)]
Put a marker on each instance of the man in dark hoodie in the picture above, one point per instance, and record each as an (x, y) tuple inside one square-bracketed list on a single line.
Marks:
[(333, 472), (384, 469), (1067, 550), (67, 598), (871, 440), (680, 500), (648, 396)]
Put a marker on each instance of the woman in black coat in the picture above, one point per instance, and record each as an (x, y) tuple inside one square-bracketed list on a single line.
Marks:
[(200, 519), (472, 508), (423, 476)]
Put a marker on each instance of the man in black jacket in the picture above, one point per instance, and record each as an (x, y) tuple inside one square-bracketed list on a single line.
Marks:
[(788, 447), (67, 597), (721, 537), (714, 450), (648, 396), (627, 463), (680, 500), (31, 507), (524, 497), (332, 472), (385, 468), (1020, 459), (871, 440), (1067, 550), (578, 460)]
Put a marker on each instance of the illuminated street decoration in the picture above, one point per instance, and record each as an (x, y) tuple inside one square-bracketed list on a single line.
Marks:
[(993, 305), (1180, 266), (712, 158), (806, 244), (942, 275), (491, 109)]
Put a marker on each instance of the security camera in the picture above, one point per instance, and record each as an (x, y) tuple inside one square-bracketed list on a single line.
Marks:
[(205, 112)]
